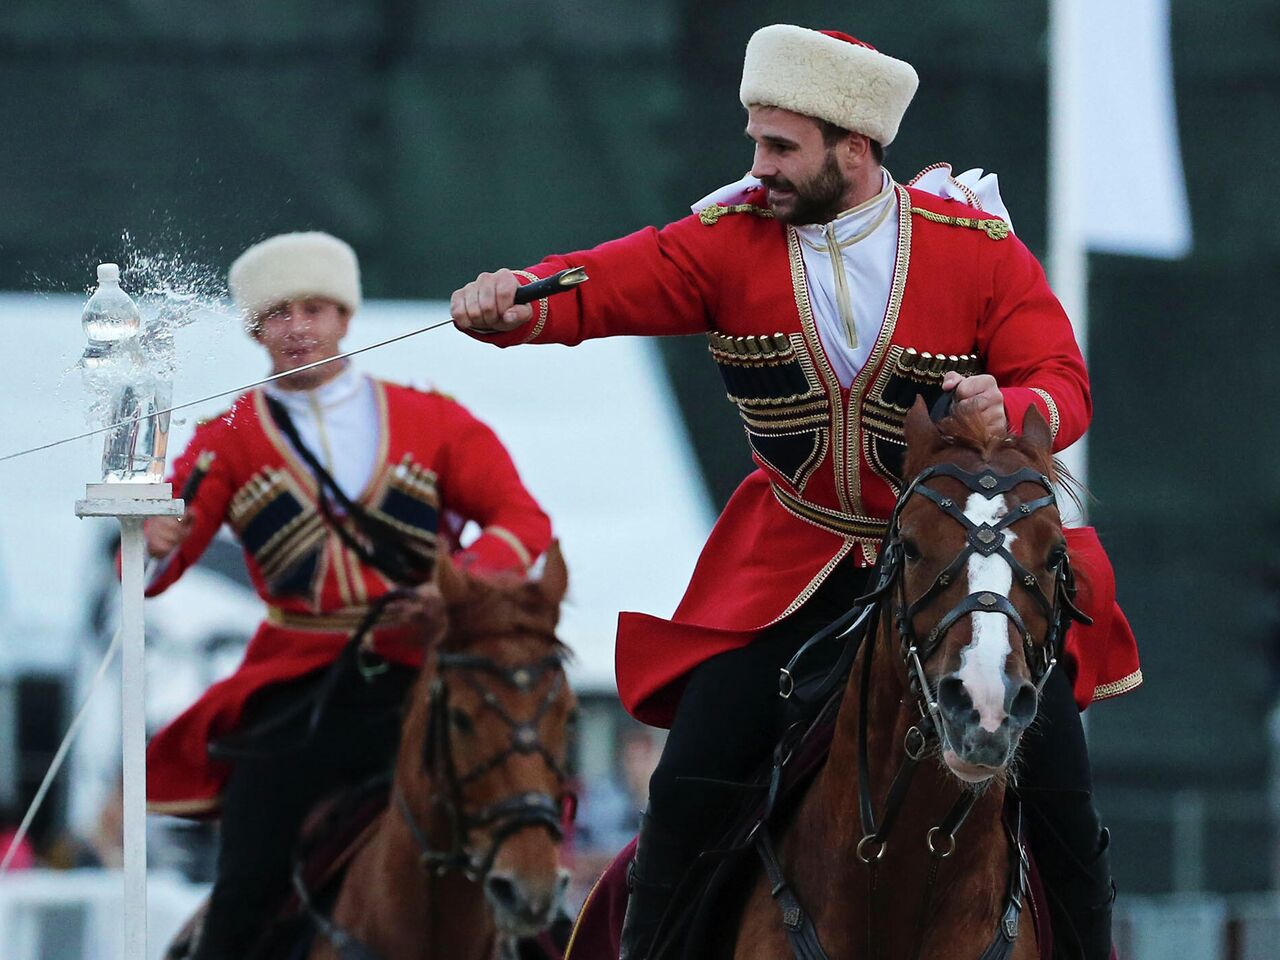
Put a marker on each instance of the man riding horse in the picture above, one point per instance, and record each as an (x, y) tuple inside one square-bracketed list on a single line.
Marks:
[(830, 296), (341, 488)]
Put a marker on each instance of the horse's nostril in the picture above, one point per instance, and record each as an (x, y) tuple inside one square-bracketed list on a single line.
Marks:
[(953, 697), (504, 893), (1022, 707)]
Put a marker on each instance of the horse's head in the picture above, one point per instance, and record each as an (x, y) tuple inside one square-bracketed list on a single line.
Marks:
[(984, 582), (495, 739)]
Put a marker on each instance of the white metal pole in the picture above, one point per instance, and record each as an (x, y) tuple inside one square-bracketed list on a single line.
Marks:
[(131, 503), (1067, 253), (133, 725)]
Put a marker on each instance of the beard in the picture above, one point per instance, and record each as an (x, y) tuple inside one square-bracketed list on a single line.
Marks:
[(815, 200)]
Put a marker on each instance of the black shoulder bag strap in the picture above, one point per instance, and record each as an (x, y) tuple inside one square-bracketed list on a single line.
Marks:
[(384, 551)]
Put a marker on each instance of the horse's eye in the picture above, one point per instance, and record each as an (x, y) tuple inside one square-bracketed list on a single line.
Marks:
[(1057, 554), (461, 722), (910, 550)]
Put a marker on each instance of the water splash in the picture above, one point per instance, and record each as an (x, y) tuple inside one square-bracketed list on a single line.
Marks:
[(172, 290)]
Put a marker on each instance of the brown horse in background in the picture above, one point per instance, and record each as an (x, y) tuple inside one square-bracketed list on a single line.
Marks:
[(466, 855), (949, 677)]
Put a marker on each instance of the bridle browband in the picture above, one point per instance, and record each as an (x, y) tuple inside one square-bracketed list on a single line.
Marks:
[(504, 818)]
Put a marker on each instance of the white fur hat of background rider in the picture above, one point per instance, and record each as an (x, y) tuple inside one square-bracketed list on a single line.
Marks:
[(293, 266), (828, 75)]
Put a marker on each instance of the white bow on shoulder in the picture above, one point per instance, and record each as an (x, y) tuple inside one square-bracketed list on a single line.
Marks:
[(979, 190)]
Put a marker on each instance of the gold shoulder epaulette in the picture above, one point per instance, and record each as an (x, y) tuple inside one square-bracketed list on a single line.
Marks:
[(995, 229), (709, 215)]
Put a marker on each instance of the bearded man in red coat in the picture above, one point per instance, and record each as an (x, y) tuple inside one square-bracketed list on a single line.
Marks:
[(831, 296), (341, 489)]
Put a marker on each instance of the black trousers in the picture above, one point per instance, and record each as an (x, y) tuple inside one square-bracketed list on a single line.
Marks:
[(266, 798), (730, 716)]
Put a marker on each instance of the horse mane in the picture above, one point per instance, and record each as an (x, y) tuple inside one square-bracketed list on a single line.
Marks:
[(498, 604), (966, 429)]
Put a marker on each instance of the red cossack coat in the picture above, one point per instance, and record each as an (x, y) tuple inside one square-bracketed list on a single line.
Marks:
[(966, 296), (437, 466)]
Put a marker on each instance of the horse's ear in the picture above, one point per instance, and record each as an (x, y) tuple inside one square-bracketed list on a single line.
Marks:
[(1035, 431), (451, 581), (554, 582), (921, 432)]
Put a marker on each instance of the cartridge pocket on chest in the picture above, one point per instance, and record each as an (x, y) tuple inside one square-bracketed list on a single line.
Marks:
[(906, 373), (783, 406)]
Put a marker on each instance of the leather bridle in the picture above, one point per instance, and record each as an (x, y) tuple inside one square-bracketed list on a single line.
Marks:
[(506, 817), (986, 540), (861, 626)]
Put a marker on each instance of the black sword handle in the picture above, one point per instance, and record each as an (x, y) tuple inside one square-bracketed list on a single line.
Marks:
[(556, 283)]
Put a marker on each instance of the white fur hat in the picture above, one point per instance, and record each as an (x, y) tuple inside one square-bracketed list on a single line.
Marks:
[(292, 266), (828, 75)]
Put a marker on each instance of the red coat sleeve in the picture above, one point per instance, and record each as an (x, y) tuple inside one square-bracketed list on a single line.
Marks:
[(1030, 347), (206, 510), (652, 282), (479, 482)]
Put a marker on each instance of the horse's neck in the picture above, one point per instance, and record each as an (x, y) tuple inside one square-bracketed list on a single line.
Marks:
[(390, 900), (824, 839)]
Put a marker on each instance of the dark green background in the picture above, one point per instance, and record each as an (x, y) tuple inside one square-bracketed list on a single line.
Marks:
[(446, 138)]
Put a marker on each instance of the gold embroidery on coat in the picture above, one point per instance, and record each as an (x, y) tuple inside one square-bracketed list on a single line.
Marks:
[(800, 290), (995, 229), (1054, 420), (542, 307), (710, 215), (1117, 687), (852, 454)]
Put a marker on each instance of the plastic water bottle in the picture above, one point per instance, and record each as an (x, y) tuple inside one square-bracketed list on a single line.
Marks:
[(110, 316), (116, 369)]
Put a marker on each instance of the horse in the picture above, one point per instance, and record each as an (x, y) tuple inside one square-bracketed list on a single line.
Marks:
[(464, 860), (973, 593)]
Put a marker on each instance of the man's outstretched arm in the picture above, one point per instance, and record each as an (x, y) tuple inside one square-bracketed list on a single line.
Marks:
[(652, 282)]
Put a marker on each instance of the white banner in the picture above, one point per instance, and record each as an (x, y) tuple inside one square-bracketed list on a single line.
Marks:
[(1134, 192)]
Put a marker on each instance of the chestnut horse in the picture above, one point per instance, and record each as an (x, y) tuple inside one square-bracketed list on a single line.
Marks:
[(466, 855), (899, 848)]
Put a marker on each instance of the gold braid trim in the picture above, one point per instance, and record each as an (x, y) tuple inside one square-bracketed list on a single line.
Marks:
[(1054, 420), (709, 215), (995, 229), (867, 529), (541, 320), (1117, 687)]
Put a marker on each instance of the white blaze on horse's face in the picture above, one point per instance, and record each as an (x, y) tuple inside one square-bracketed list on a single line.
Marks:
[(982, 662)]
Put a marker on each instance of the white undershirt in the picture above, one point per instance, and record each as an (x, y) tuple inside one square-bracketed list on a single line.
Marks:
[(338, 421), (849, 308)]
